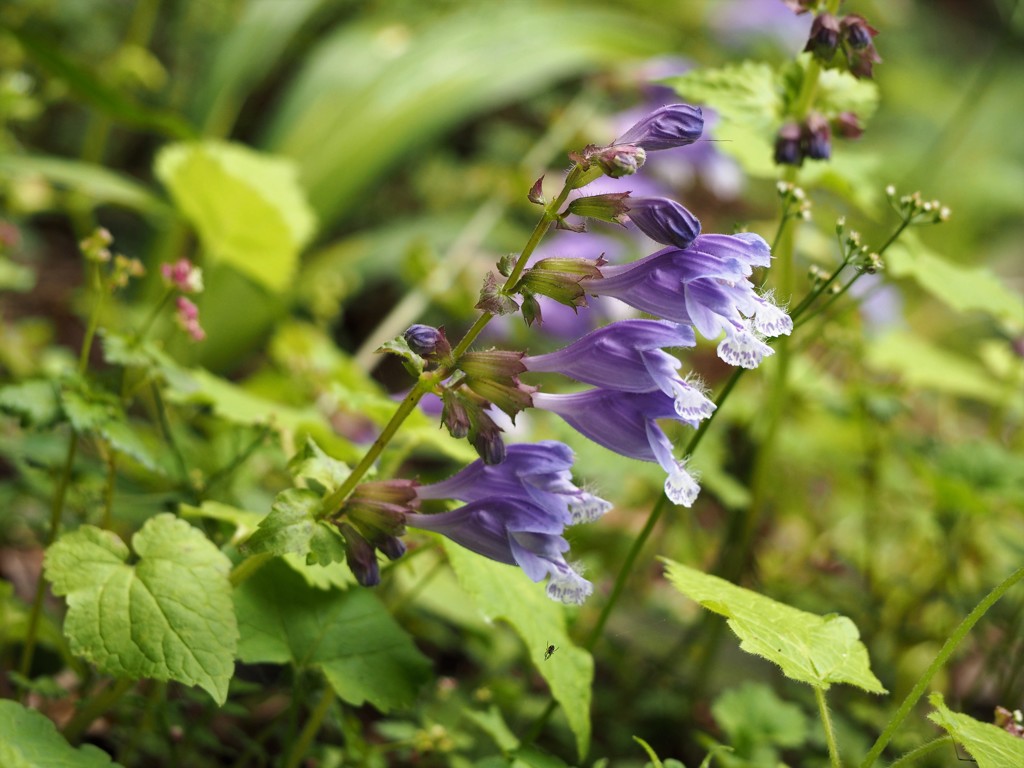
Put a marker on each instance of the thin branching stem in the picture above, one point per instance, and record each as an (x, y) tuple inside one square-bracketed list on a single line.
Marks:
[(830, 733), (310, 729)]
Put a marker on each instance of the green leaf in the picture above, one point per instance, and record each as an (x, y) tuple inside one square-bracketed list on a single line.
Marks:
[(989, 745), (321, 575), (748, 98), (29, 739), (505, 592), (922, 365), (364, 653), (291, 525), (752, 714), (312, 463), (35, 402), (102, 413), (167, 617), (819, 650), (962, 289), (248, 207), (839, 91), (100, 185)]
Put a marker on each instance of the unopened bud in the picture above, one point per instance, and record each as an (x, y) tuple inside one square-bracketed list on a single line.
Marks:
[(787, 145), (824, 37), (664, 221), (428, 342), (674, 125)]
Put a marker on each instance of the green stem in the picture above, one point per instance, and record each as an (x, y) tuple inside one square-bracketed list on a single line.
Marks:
[(165, 427), (309, 730), (943, 656), (333, 502), (228, 469), (154, 313), (924, 750), (108, 490), (830, 734), (248, 567), (94, 707)]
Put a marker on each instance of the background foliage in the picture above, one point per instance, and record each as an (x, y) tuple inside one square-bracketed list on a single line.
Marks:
[(344, 169)]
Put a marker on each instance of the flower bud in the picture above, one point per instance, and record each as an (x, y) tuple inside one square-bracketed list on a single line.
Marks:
[(674, 125), (428, 342), (664, 221), (485, 437), (824, 37), (183, 275), (817, 138), (454, 413), (858, 45), (787, 145), (619, 161), (360, 556), (847, 125)]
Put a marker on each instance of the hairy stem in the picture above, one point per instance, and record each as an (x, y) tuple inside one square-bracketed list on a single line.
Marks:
[(830, 733), (940, 660), (309, 730)]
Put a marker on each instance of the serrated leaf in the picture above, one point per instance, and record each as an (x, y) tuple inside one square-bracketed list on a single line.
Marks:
[(399, 347), (322, 575), (818, 650), (29, 739), (364, 653), (963, 289), (35, 402), (247, 206), (290, 525), (839, 91), (505, 592), (312, 463), (989, 745), (167, 617)]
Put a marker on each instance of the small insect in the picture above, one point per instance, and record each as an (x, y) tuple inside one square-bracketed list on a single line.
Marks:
[(550, 649)]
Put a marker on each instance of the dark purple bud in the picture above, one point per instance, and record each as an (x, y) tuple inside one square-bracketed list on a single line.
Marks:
[(817, 138), (664, 221), (824, 37), (857, 37), (674, 125), (360, 556), (847, 125), (485, 437), (392, 547), (536, 193), (610, 207), (857, 33), (427, 341), (787, 145), (454, 413)]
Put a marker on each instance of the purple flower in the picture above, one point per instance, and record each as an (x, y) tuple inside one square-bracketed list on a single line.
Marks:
[(628, 356), (513, 531), (626, 422), (705, 285), (663, 220), (539, 472), (673, 125)]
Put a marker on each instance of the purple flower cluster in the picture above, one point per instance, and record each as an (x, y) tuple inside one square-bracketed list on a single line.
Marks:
[(515, 513), (516, 508)]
